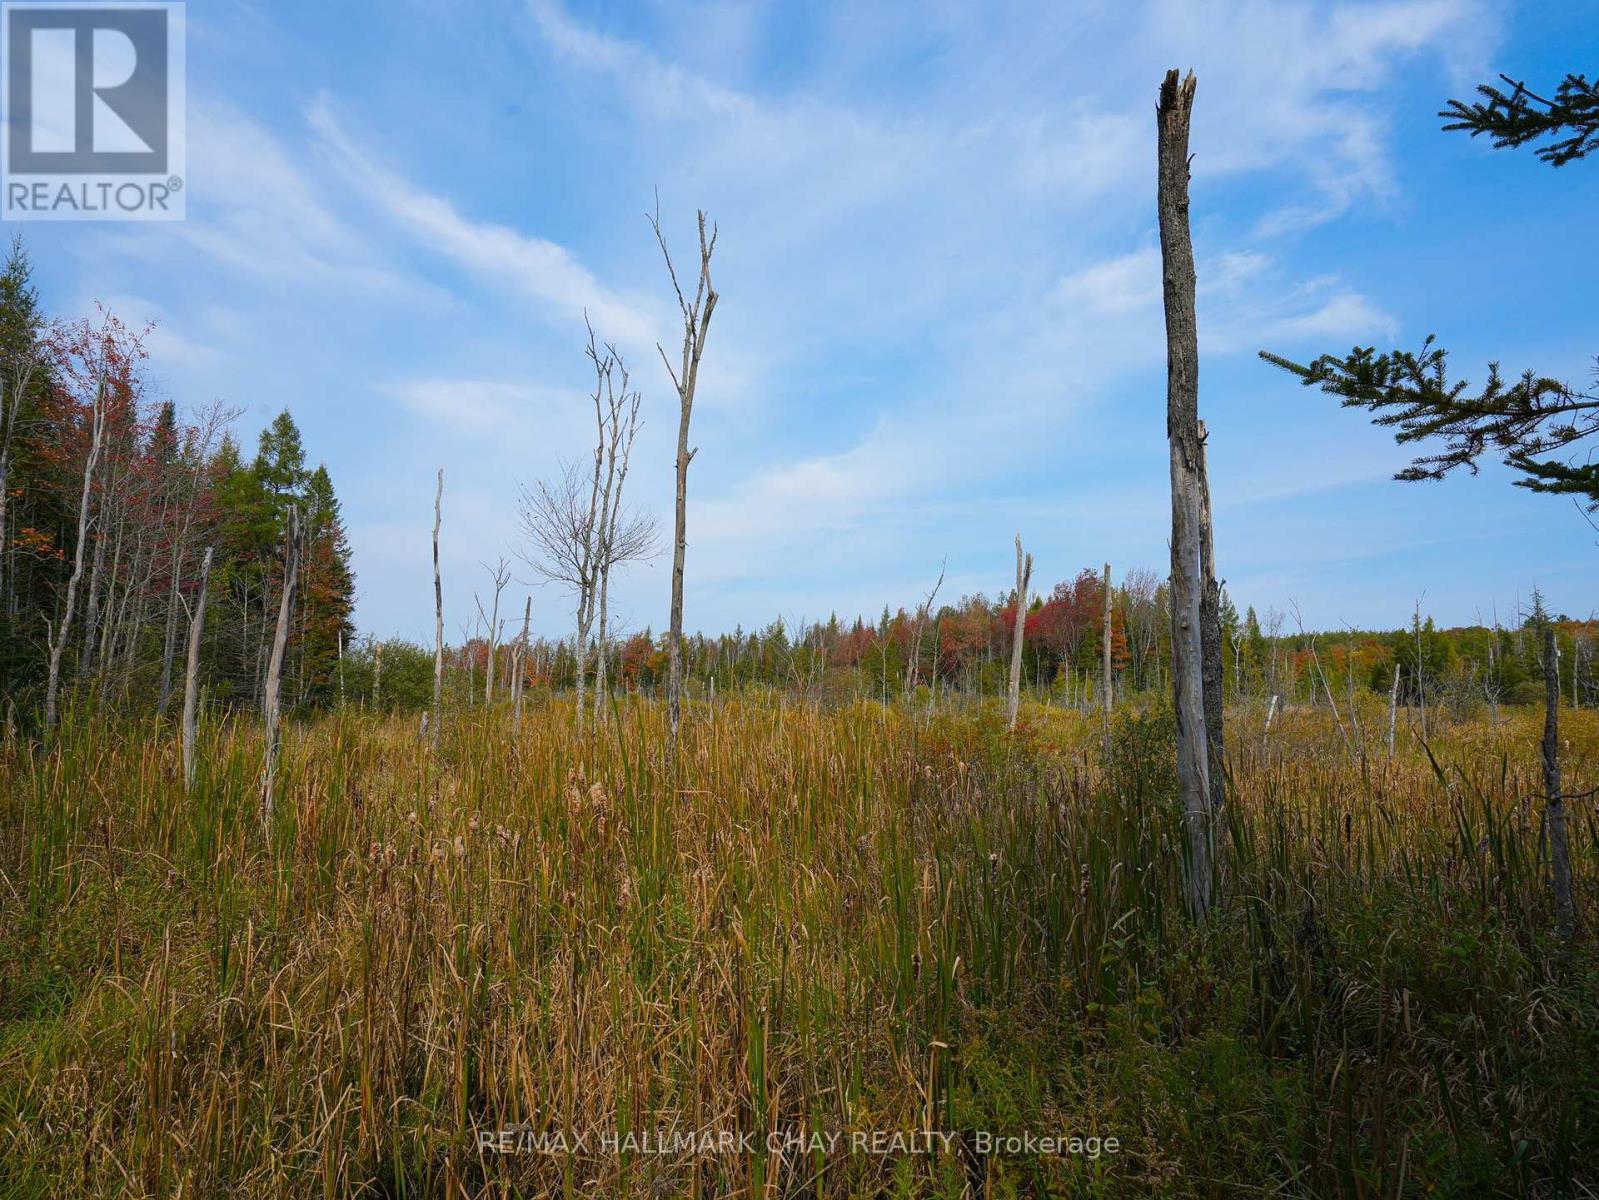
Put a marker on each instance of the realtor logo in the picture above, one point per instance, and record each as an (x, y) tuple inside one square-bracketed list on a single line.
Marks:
[(94, 111)]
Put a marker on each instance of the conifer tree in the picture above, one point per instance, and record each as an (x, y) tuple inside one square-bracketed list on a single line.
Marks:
[(328, 590), (1531, 420)]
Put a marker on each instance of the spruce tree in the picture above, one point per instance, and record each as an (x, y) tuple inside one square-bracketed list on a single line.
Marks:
[(1531, 420), (329, 590)]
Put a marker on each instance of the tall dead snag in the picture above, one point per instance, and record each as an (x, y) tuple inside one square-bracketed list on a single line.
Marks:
[(1187, 481), (271, 711), (1024, 577), (575, 528), (620, 538), (518, 660), (918, 623), (58, 636), (1554, 801), (1393, 711), (1210, 632), (438, 617), (1110, 692), (191, 674), (500, 573), (696, 323)]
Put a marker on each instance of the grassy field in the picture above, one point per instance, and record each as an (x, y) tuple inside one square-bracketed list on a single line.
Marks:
[(855, 921)]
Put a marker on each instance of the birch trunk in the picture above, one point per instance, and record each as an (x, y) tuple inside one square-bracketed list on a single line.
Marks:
[(191, 674), (1182, 428), (58, 638), (438, 618), (271, 712), (1554, 801), (1024, 575)]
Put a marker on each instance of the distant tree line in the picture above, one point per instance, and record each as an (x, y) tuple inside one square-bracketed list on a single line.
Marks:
[(962, 650)]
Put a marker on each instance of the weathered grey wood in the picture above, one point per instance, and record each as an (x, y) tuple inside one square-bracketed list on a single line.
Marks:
[(58, 636), (918, 623), (696, 324), (618, 541), (1182, 429), (169, 638), (438, 617), (191, 674), (271, 710), (1210, 631), (1393, 711), (518, 655), (500, 574), (1554, 801), (1024, 577)]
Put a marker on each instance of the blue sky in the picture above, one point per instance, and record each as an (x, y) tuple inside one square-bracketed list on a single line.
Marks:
[(940, 319)]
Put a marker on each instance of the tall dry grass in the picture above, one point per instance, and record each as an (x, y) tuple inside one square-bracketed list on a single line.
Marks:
[(856, 919)]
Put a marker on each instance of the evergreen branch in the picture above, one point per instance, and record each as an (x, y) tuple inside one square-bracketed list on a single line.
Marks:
[(1411, 393), (1523, 116)]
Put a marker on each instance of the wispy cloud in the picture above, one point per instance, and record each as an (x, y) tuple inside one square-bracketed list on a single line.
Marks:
[(547, 273)]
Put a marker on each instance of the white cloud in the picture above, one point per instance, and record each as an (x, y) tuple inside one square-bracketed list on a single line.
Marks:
[(259, 212), (539, 269), (1115, 286)]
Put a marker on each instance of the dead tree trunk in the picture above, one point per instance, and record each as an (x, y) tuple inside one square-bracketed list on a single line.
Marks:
[(377, 674), (274, 679), (58, 636), (601, 683), (1393, 711), (1110, 687), (518, 662), (501, 575), (696, 323), (169, 640), (913, 667), (1182, 430), (91, 610), (191, 674), (1210, 631), (1554, 801), (1024, 577), (438, 618)]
